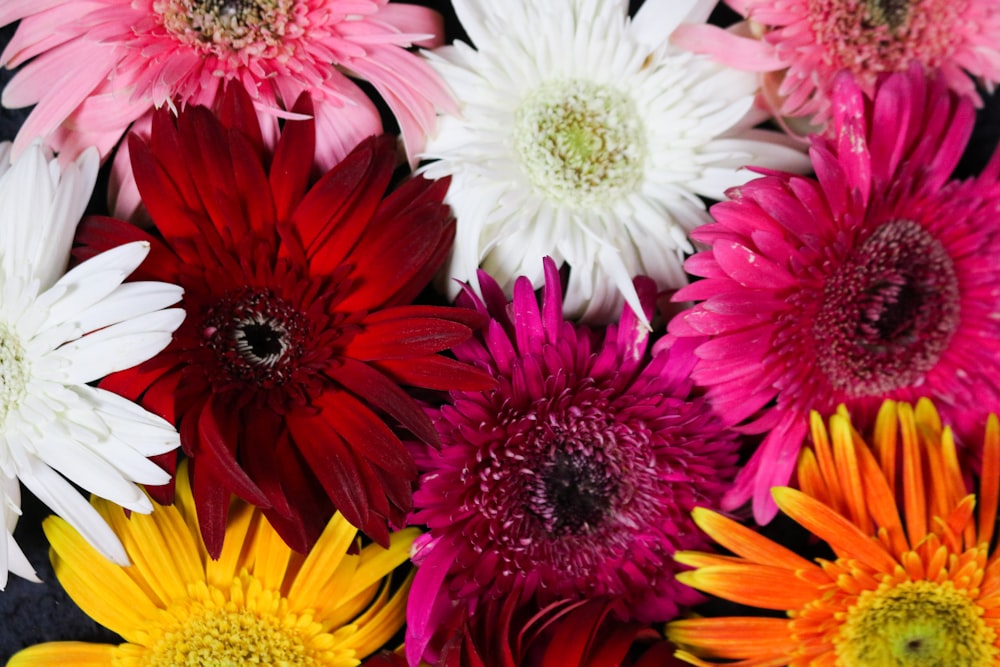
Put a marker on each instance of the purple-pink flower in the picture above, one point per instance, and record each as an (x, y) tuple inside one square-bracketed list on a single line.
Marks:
[(575, 477), (876, 279)]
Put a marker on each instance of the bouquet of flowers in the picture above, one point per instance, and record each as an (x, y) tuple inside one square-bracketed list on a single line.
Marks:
[(527, 334)]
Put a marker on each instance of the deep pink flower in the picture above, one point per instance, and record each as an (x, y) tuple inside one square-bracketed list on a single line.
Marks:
[(95, 67), (575, 477), (877, 279), (803, 44)]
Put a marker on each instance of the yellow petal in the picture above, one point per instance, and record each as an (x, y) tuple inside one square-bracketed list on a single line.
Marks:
[(324, 562), (382, 620), (271, 556), (238, 547), (64, 654), (100, 588), (377, 562), (163, 554)]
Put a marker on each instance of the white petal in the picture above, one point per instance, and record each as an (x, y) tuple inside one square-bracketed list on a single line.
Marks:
[(60, 496), (112, 349)]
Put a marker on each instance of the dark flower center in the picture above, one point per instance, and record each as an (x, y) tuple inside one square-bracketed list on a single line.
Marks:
[(891, 13), (256, 336), (889, 312), (572, 495)]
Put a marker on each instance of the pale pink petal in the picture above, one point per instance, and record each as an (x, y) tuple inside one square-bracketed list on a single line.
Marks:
[(725, 47)]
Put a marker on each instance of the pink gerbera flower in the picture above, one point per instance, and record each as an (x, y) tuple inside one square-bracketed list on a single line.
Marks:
[(575, 477), (95, 67), (803, 44), (876, 280)]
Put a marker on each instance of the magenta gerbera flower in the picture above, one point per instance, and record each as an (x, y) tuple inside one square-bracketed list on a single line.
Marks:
[(876, 280), (575, 477), (803, 44), (95, 67)]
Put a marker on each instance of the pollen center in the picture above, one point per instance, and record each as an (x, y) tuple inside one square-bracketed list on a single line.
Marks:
[(891, 13), (572, 495), (253, 27), (888, 313), (915, 624), (13, 373), (256, 337), (580, 143)]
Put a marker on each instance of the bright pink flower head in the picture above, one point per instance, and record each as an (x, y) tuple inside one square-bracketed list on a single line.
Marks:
[(94, 67), (803, 44), (575, 477), (877, 279)]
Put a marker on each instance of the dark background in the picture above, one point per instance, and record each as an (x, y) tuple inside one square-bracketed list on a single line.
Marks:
[(33, 613)]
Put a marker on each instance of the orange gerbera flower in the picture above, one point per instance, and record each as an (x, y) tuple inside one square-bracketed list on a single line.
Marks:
[(911, 585)]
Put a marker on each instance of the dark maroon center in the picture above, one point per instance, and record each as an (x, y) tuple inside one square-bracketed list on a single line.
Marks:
[(256, 337), (888, 313)]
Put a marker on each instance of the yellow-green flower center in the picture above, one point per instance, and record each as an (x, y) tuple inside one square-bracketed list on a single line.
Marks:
[(256, 27), (248, 626), (580, 143), (13, 373), (916, 624)]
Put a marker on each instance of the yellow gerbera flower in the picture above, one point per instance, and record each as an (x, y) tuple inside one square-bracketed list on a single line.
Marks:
[(260, 603), (911, 587)]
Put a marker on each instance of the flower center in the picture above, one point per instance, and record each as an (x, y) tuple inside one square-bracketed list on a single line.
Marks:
[(873, 36), (888, 313), (580, 143), (242, 624), (13, 373), (572, 495), (891, 13), (256, 336), (224, 26), (915, 623)]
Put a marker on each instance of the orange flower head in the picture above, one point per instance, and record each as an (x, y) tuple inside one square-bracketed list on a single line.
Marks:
[(914, 581)]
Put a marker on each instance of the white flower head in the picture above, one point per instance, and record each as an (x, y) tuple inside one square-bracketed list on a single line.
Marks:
[(588, 137), (59, 331)]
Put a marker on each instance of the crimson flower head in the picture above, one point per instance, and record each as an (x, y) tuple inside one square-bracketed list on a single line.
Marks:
[(574, 478), (285, 381), (876, 279)]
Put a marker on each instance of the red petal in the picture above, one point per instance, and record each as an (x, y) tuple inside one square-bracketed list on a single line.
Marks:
[(436, 372), (236, 111), (384, 394), (95, 234), (289, 170), (218, 433), (212, 502), (405, 338)]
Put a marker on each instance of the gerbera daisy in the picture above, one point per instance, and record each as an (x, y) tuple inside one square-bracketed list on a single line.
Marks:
[(57, 334), (93, 68), (259, 603), (801, 45), (572, 479), (876, 279), (913, 587), (586, 137), (285, 379)]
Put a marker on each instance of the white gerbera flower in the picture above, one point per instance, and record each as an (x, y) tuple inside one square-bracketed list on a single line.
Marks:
[(59, 332), (587, 137)]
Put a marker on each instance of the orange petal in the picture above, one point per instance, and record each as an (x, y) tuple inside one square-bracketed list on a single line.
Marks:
[(734, 637), (842, 535), (757, 585), (747, 543)]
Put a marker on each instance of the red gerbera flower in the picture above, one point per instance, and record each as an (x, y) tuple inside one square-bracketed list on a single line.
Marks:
[(286, 375)]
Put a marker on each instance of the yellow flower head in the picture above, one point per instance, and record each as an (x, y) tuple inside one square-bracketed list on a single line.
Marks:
[(259, 604), (911, 585)]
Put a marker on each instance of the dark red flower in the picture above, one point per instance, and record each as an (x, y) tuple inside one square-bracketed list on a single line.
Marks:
[(582, 634), (285, 378)]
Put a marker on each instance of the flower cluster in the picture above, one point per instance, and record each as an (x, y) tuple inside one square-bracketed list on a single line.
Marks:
[(468, 334)]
